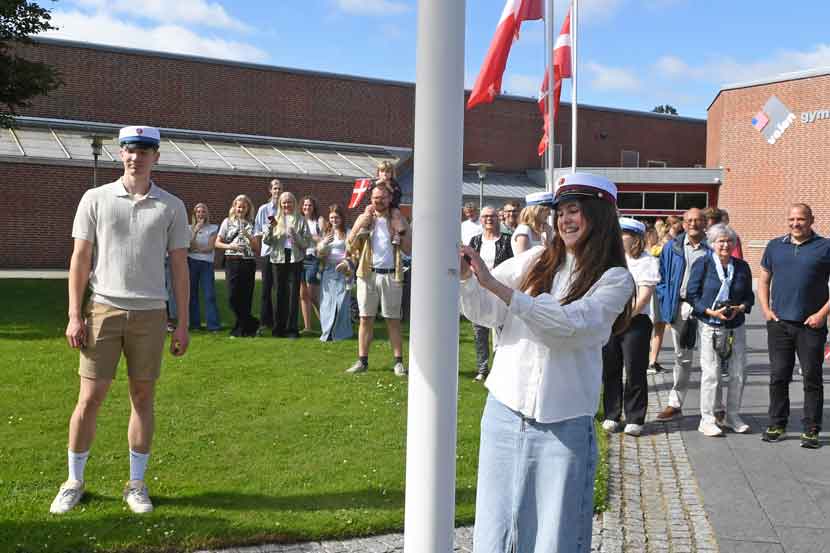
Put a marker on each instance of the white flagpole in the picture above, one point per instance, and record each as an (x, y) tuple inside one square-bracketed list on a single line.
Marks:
[(574, 58), (429, 522), (550, 41)]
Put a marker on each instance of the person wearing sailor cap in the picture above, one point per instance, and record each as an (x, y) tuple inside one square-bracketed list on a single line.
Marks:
[(631, 348), (122, 231), (557, 304)]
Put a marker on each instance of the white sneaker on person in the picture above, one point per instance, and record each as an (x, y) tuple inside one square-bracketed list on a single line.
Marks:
[(358, 367), (736, 424), (69, 494), (709, 429), (137, 497), (399, 369), (609, 426), (633, 429)]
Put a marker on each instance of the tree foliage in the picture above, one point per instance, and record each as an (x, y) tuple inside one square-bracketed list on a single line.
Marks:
[(22, 79), (665, 108)]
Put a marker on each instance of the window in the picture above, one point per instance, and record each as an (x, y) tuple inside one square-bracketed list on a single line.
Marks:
[(629, 158), (654, 163), (630, 200), (659, 200), (688, 200)]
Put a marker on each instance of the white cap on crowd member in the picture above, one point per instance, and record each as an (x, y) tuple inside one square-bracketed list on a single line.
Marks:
[(580, 186), (539, 198), (627, 224), (139, 134)]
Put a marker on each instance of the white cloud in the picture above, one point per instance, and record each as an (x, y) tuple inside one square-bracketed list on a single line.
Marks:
[(612, 78), (596, 9), (104, 29), (372, 7), (523, 85), (190, 12), (724, 70)]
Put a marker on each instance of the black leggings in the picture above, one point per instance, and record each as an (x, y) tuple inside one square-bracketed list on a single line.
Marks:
[(240, 275)]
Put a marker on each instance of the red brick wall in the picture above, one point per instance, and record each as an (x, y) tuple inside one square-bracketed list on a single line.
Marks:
[(761, 180), (104, 85), (47, 195)]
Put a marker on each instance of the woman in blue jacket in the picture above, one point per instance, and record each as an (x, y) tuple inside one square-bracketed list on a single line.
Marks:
[(720, 290)]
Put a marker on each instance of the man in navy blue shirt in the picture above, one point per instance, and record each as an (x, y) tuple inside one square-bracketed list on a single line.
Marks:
[(797, 266)]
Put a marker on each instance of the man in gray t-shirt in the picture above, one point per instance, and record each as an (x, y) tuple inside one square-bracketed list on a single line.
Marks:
[(122, 231)]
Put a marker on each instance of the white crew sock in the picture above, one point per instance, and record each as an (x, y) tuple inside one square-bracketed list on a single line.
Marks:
[(138, 464), (77, 463)]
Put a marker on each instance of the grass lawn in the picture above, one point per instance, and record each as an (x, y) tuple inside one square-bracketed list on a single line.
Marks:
[(257, 440)]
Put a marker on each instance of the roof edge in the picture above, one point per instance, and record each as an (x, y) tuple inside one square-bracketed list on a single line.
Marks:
[(780, 78)]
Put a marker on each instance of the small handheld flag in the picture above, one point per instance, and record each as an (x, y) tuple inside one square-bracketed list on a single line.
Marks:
[(360, 188)]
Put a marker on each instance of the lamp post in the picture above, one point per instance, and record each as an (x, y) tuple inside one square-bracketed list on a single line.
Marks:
[(481, 169), (97, 146)]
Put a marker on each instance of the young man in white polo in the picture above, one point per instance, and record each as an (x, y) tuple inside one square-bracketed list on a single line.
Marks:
[(121, 233)]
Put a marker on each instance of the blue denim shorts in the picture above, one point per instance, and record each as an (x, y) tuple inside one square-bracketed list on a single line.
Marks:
[(311, 268), (535, 483)]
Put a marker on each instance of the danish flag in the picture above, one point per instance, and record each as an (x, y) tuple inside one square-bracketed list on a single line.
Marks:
[(360, 188), (561, 70)]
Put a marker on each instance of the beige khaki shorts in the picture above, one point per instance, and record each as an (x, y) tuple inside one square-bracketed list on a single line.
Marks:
[(109, 330), (381, 289)]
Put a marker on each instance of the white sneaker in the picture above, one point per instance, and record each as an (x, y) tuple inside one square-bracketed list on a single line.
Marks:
[(633, 429), (609, 426), (709, 429), (736, 424), (358, 367), (137, 497), (400, 370), (68, 496)]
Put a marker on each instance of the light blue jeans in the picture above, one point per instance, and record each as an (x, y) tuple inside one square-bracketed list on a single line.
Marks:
[(535, 484)]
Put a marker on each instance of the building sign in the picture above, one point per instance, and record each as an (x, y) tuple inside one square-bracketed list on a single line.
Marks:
[(811, 116), (773, 120)]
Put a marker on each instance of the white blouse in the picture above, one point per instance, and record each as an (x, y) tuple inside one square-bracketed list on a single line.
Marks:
[(646, 272), (548, 365)]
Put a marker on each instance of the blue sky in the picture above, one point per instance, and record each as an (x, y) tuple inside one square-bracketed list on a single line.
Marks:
[(633, 54)]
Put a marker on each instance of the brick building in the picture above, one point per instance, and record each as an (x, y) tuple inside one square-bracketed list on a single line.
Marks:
[(769, 137), (232, 126)]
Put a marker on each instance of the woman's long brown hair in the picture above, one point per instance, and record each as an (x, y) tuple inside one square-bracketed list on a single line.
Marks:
[(599, 250)]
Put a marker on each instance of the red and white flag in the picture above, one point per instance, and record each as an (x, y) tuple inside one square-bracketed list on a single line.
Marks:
[(488, 82), (561, 70), (359, 190)]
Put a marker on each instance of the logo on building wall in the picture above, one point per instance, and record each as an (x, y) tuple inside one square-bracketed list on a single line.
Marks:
[(773, 120)]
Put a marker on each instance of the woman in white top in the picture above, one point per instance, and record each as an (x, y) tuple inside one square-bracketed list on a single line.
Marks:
[(632, 346), (310, 281), (335, 297), (200, 262), (532, 230), (557, 305)]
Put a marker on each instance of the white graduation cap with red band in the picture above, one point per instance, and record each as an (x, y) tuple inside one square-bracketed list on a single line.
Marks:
[(574, 187)]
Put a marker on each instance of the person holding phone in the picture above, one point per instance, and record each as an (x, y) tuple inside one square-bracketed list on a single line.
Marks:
[(557, 304), (125, 312), (200, 264), (236, 237), (720, 291), (335, 298)]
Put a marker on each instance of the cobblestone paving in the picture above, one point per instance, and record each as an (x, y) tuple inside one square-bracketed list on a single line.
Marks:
[(654, 504)]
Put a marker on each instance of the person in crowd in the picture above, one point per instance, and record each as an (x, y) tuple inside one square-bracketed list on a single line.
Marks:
[(493, 247), (386, 177), (471, 225), (630, 348), (792, 289), (264, 214), (676, 260), (335, 297), (511, 217), (664, 235), (310, 281), (289, 238), (675, 227), (120, 257), (739, 250), (533, 229), (237, 239), (200, 263), (377, 246), (557, 304), (720, 291)]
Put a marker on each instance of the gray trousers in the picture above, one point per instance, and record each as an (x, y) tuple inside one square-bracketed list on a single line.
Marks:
[(481, 334)]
